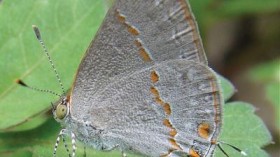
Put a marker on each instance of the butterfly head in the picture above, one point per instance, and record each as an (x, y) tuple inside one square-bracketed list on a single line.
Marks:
[(61, 110)]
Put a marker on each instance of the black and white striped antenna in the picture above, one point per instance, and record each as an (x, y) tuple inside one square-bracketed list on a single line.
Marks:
[(20, 82)]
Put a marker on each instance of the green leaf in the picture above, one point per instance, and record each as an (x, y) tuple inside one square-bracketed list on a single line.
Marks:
[(227, 88), (30, 123), (67, 28), (243, 129)]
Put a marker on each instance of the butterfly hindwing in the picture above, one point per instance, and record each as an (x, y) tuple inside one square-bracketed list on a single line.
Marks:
[(174, 105)]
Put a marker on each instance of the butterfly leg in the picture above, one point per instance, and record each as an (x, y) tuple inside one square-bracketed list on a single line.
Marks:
[(60, 135), (65, 144), (73, 141)]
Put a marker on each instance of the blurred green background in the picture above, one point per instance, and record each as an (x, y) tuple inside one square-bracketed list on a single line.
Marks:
[(241, 39)]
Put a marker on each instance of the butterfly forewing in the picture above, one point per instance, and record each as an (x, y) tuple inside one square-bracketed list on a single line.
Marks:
[(136, 34)]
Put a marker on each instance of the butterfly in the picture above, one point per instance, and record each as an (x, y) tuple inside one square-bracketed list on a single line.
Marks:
[(144, 85)]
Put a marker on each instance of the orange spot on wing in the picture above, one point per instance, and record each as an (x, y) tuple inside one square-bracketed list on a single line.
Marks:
[(145, 56), (174, 144), (138, 43), (193, 153), (173, 132), (167, 109), (167, 123), (132, 30), (203, 130), (142, 51), (159, 101), (120, 17), (154, 91), (154, 76)]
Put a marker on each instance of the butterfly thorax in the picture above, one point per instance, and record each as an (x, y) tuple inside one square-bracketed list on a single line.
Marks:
[(82, 129)]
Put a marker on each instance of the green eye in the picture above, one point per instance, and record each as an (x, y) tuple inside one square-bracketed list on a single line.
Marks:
[(61, 111)]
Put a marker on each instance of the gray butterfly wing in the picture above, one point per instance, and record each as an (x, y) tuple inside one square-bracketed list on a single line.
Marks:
[(172, 107), (135, 35)]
